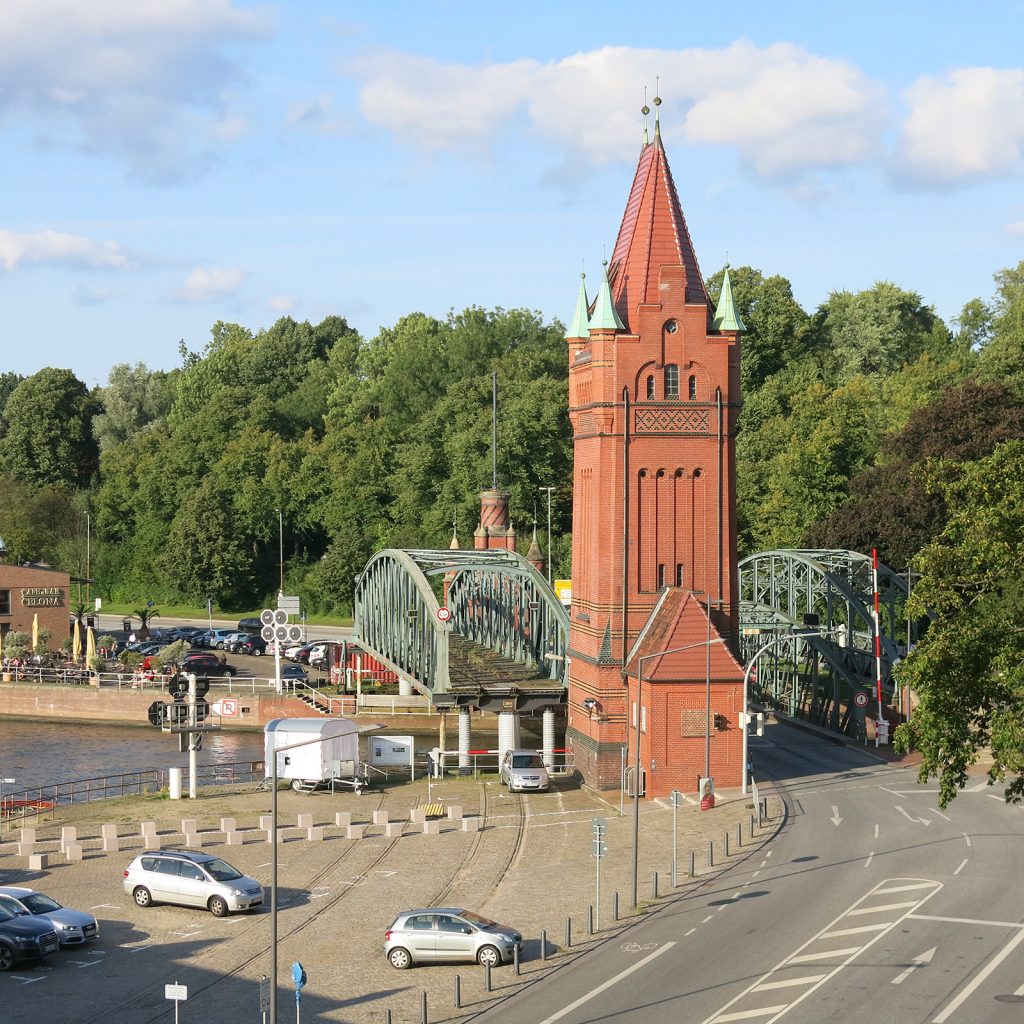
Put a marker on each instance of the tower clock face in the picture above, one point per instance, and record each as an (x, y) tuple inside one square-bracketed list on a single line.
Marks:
[(671, 327)]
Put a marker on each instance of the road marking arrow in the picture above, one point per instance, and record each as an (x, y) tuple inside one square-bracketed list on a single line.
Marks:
[(923, 821), (835, 819), (921, 960)]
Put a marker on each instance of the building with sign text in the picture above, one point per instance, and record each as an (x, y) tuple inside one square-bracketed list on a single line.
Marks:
[(27, 591)]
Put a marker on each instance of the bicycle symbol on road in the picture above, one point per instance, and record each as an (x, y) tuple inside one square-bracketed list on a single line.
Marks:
[(636, 947)]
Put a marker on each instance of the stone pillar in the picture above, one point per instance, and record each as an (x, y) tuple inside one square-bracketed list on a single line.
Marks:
[(465, 767), (404, 687), (548, 741), (508, 732)]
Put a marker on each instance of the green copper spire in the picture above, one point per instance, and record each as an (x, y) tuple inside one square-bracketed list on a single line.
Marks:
[(578, 327), (605, 316), (726, 317)]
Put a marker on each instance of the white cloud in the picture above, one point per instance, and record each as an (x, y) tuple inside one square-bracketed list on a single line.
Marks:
[(282, 303), (783, 109), (206, 284), (144, 81), (57, 248), (966, 126)]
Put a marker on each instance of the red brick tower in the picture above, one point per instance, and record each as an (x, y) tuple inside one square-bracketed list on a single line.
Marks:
[(654, 381)]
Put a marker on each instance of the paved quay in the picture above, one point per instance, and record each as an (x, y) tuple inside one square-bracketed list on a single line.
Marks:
[(524, 860)]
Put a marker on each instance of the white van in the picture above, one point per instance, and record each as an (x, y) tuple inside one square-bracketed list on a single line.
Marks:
[(523, 770)]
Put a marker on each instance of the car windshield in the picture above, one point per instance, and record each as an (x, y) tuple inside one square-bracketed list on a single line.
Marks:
[(222, 870), (527, 761), (5, 914), (480, 922), (40, 904)]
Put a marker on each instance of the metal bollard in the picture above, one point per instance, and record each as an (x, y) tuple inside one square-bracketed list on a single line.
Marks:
[(711, 853), (387, 1017), (543, 944), (615, 906), (739, 835), (590, 920), (568, 932), (726, 847), (693, 864), (654, 884), (458, 992), (423, 1008), (751, 827), (487, 977), (515, 959)]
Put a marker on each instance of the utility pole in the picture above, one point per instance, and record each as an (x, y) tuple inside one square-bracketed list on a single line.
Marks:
[(549, 490)]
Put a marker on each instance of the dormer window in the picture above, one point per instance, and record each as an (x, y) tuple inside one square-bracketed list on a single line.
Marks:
[(672, 382), (650, 388)]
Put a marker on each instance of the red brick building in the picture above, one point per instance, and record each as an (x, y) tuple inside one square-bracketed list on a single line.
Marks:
[(30, 590), (654, 379)]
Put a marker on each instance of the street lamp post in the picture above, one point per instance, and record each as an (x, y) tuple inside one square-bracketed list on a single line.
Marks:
[(549, 490), (639, 713), (280, 548)]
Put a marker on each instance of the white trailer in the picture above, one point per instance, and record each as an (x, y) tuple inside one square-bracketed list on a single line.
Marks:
[(330, 755)]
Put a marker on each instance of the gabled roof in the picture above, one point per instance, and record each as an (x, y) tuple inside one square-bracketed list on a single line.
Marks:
[(681, 620), (653, 234)]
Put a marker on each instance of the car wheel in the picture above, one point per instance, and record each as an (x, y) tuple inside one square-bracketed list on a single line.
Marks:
[(6, 958), (143, 897), (218, 906), (220, 646), (488, 956), (229, 672), (400, 958), (256, 653)]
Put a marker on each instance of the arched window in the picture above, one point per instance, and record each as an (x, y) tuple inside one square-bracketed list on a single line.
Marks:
[(693, 387), (650, 387), (672, 382)]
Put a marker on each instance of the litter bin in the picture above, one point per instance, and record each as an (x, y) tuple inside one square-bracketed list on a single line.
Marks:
[(126, 625)]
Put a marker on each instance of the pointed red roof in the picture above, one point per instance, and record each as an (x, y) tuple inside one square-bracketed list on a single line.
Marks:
[(653, 234), (680, 620)]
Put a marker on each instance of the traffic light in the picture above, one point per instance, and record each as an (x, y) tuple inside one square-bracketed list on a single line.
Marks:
[(202, 710), (177, 713), (177, 686), (157, 713), (202, 686)]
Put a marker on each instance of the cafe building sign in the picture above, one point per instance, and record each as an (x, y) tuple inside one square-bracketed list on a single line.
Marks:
[(42, 597)]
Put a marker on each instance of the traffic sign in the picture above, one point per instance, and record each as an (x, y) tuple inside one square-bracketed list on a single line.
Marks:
[(600, 848), (264, 994), (295, 633), (444, 614), (229, 707), (267, 616), (860, 699), (176, 992), (280, 617), (288, 604), (267, 632)]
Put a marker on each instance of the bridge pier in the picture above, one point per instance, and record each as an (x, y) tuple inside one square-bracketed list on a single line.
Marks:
[(548, 738), (465, 767), (508, 732)]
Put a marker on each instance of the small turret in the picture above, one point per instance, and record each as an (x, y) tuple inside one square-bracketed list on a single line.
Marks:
[(726, 316)]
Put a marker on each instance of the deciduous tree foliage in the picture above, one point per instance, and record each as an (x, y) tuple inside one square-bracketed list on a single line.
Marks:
[(968, 670)]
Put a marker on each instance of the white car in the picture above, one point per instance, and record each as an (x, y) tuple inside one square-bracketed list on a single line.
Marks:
[(73, 927), (523, 770)]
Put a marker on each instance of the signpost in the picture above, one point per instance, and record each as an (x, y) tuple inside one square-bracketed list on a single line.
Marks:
[(677, 802), (444, 614), (600, 827), (179, 993), (264, 997), (3, 782), (299, 977)]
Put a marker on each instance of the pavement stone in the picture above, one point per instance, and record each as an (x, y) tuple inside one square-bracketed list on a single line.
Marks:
[(529, 865)]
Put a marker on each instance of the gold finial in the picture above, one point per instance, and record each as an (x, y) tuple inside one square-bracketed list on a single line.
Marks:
[(657, 104), (645, 110)]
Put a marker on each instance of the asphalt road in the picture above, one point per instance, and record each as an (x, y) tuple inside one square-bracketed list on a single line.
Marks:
[(871, 905)]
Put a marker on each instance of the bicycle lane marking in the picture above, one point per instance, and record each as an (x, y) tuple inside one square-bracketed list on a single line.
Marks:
[(752, 1002)]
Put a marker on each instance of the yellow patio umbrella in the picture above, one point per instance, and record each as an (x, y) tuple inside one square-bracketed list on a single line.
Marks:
[(76, 644), (35, 631), (90, 645)]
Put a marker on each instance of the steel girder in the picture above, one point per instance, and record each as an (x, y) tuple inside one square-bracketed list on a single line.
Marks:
[(496, 599)]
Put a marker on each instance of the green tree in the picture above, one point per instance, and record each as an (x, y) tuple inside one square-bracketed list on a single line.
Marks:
[(968, 671), (134, 398), (48, 431), (1002, 356), (8, 382)]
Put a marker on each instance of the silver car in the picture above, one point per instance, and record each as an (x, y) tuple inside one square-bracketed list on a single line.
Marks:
[(448, 933), (73, 927), (523, 770), (190, 879)]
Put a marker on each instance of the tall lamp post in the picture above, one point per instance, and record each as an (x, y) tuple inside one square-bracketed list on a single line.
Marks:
[(639, 715), (549, 490), (280, 548)]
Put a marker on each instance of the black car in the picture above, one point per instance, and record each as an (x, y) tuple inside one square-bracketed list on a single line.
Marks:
[(23, 937), (202, 664), (250, 626), (254, 645)]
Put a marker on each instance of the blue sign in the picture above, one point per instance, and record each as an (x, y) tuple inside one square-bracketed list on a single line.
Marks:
[(299, 977)]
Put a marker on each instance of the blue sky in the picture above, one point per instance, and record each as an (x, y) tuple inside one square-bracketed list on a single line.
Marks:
[(172, 163)]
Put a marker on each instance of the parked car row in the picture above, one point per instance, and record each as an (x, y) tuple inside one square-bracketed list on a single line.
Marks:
[(33, 925)]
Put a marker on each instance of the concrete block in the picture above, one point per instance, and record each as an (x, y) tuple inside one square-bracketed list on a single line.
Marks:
[(454, 812), (343, 819), (315, 833), (111, 844), (189, 826), (152, 841), (27, 835), (305, 821), (393, 829), (193, 840), (380, 817), (266, 821), (73, 851), (68, 835), (228, 824), (109, 830), (470, 824), (147, 828), (233, 838), (25, 849), (431, 828), (417, 815), (356, 831), (39, 862)]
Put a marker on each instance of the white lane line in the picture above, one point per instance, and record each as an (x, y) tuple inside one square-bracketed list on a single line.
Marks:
[(607, 985), (764, 1011), (961, 867), (902, 888), (967, 838), (105, 906), (952, 1006), (139, 949), (768, 853), (26, 981), (871, 857), (708, 918), (1020, 991), (940, 814), (756, 873), (689, 933), (789, 982), (887, 906), (856, 931), (876, 826), (995, 796), (827, 955), (966, 920)]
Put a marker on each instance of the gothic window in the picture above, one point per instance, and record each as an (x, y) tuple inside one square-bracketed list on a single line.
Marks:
[(650, 387), (661, 575), (671, 327), (672, 382), (693, 388), (679, 574)]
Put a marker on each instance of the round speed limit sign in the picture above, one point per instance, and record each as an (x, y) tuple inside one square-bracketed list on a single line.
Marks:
[(444, 614), (860, 699)]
